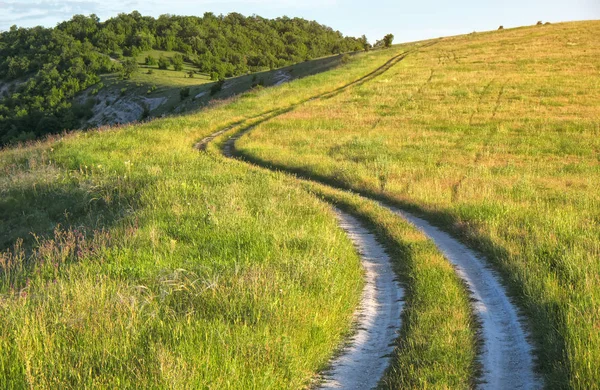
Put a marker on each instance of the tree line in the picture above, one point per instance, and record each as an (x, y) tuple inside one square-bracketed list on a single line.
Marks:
[(42, 69)]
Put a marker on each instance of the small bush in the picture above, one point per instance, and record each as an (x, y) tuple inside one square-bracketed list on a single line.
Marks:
[(539, 23), (345, 59), (258, 84), (84, 110), (150, 71), (150, 60), (184, 93), (216, 87), (177, 61), (129, 67), (132, 51), (146, 112), (123, 91), (163, 63), (501, 28)]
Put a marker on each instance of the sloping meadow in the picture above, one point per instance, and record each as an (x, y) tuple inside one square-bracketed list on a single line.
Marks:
[(493, 136), (154, 265)]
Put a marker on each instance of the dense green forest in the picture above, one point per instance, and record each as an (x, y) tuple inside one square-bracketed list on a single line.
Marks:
[(42, 69)]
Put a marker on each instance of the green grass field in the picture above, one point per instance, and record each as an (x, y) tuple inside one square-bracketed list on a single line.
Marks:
[(154, 265), (133, 260), (493, 136)]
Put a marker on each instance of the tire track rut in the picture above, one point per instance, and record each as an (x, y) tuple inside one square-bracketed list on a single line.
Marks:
[(506, 356), (362, 363)]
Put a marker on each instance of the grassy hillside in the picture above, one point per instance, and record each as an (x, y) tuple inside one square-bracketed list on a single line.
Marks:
[(132, 260), (153, 265), (493, 136)]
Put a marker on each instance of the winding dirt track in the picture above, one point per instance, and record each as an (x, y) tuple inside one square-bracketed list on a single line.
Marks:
[(363, 362), (506, 355)]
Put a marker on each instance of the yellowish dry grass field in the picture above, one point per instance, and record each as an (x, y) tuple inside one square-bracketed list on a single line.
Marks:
[(494, 136)]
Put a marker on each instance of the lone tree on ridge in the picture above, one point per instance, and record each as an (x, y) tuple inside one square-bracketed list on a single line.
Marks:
[(387, 40)]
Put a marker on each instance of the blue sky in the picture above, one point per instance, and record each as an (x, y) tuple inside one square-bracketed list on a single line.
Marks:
[(407, 20)]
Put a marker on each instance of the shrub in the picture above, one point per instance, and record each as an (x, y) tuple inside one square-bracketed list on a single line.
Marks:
[(116, 67), (163, 63), (96, 90), (150, 60), (345, 59), (184, 93), (132, 51), (177, 61), (539, 23), (365, 43), (387, 40), (501, 28), (84, 110), (129, 67), (150, 71), (146, 112), (258, 84), (216, 87)]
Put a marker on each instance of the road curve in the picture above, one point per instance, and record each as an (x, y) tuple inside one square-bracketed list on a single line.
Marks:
[(506, 355), (362, 363)]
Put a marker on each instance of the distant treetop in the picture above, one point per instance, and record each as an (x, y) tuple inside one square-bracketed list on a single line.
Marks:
[(50, 65), (386, 41)]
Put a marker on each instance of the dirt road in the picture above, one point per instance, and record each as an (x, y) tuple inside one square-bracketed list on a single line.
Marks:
[(506, 358)]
